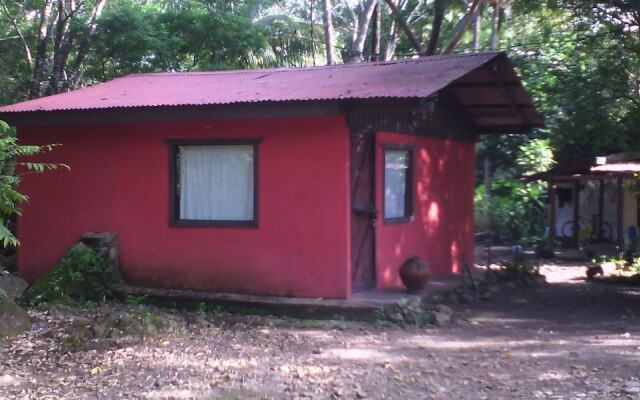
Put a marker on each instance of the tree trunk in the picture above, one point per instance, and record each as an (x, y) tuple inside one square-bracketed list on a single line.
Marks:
[(475, 27), (363, 28), (392, 41), (92, 24), (462, 27), (413, 39), (313, 34), (376, 33), (495, 25), (438, 17), (61, 48), (327, 20), (41, 49)]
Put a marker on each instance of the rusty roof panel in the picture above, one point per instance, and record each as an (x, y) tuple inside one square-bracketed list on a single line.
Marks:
[(621, 168), (419, 77), (485, 85)]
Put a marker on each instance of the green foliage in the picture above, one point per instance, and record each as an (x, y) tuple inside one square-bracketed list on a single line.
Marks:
[(626, 264), (567, 52), (632, 184), (515, 209), (535, 156), (81, 277), (136, 300), (520, 270)]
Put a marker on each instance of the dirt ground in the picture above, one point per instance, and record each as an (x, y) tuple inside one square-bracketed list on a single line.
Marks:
[(565, 340)]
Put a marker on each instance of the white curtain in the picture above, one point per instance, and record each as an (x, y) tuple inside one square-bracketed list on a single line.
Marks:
[(216, 182), (396, 163)]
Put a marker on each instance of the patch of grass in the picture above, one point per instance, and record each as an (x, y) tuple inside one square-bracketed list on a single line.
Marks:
[(80, 279)]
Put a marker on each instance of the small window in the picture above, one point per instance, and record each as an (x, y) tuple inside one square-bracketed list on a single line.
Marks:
[(398, 196), (214, 183)]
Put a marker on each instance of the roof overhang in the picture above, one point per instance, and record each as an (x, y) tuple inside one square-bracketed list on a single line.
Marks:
[(485, 86), (496, 100), (614, 165)]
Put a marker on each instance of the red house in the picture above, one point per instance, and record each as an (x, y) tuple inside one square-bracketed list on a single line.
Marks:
[(313, 182)]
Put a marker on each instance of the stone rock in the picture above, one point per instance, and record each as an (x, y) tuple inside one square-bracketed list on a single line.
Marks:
[(106, 244), (13, 319), (443, 308), (631, 387), (441, 318), (12, 286), (396, 317)]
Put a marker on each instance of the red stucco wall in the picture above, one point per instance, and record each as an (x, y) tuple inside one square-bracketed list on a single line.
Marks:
[(119, 182), (442, 228)]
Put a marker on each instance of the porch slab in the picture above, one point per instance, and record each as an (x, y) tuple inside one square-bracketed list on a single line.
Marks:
[(364, 303)]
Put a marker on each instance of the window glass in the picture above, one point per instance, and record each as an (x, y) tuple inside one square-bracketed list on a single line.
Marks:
[(397, 175), (216, 182)]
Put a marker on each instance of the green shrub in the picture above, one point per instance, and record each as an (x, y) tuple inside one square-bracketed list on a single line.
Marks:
[(515, 210), (516, 271), (81, 277)]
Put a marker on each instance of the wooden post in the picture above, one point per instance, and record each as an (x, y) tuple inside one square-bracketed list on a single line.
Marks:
[(600, 209), (551, 190), (620, 214), (576, 213)]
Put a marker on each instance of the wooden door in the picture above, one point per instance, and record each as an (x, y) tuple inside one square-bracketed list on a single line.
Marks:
[(363, 211)]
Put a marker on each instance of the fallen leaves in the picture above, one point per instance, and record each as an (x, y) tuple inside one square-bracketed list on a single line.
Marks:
[(238, 357)]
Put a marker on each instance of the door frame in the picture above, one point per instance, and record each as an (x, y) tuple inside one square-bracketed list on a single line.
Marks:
[(367, 211)]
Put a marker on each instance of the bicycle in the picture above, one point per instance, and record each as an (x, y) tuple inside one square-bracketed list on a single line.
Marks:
[(588, 230)]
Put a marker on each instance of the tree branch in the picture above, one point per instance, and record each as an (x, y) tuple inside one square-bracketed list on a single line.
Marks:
[(415, 42), (327, 20), (25, 45), (462, 27), (363, 28), (41, 49), (92, 24), (438, 17)]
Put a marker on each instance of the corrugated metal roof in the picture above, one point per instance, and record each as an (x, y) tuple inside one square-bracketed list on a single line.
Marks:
[(412, 78), (622, 167), (613, 164)]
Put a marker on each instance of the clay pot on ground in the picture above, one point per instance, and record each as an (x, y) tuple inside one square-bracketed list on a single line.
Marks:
[(415, 274)]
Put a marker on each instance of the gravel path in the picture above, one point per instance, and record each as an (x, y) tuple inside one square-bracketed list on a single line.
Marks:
[(564, 340)]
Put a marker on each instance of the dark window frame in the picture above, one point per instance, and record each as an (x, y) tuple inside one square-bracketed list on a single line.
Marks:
[(174, 196), (409, 183)]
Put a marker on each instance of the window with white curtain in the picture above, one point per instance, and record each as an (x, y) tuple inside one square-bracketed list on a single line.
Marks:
[(397, 184), (215, 183)]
